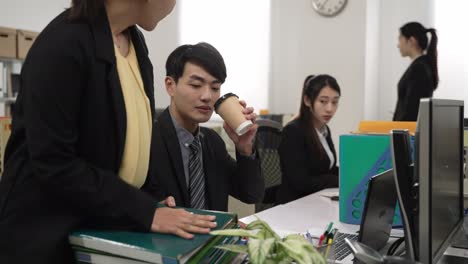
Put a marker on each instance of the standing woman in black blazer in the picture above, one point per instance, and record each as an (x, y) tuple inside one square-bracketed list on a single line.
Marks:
[(70, 160), (307, 153), (422, 77)]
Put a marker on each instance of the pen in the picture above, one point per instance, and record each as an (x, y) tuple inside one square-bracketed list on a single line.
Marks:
[(326, 252), (329, 227), (322, 237), (308, 237), (331, 235)]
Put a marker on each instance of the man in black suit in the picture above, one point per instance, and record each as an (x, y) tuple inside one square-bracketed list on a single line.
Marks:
[(194, 77)]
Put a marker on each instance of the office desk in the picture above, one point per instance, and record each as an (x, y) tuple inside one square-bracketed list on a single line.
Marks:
[(315, 211)]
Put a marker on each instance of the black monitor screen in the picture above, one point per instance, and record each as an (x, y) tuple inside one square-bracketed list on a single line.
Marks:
[(438, 166), (446, 191), (379, 209)]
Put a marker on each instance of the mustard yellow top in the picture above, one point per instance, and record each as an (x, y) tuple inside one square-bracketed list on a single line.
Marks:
[(135, 161)]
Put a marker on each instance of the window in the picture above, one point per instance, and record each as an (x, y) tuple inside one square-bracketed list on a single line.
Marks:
[(240, 31), (452, 50)]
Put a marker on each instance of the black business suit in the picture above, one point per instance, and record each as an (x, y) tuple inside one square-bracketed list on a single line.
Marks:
[(303, 171), (66, 146), (223, 175), (417, 82)]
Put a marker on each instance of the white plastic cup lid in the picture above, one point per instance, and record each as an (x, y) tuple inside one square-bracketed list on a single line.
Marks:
[(243, 127)]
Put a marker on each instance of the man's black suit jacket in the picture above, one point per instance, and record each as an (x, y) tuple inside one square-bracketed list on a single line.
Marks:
[(303, 171), (66, 146), (223, 175)]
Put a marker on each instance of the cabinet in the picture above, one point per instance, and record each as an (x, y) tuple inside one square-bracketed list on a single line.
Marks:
[(14, 46), (9, 83), (9, 86)]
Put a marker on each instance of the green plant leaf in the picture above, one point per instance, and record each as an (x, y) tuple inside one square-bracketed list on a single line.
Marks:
[(279, 258), (265, 229), (284, 260), (259, 249), (235, 232), (265, 246), (235, 248), (297, 247)]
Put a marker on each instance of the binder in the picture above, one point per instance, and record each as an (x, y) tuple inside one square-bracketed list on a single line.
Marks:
[(83, 256), (102, 246)]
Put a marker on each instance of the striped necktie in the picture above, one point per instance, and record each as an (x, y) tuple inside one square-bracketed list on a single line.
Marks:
[(196, 176)]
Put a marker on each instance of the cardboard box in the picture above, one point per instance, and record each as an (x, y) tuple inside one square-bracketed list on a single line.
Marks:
[(361, 157), (7, 42), (5, 131), (384, 127), (25, 41)]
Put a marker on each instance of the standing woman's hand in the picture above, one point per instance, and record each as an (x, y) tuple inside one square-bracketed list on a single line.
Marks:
[(180, 222), (169, 201)]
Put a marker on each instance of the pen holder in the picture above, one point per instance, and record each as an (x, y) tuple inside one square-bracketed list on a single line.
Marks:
[(328, 252)]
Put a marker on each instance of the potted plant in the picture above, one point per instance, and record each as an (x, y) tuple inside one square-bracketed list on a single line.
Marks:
[(265, 246)]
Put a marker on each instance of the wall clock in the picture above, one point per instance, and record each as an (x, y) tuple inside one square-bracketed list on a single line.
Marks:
[(328, 8)]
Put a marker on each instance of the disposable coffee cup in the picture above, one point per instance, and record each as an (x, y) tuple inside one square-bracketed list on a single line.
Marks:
[(230, 110)]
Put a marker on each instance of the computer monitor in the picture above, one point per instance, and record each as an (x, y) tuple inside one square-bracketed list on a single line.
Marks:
[(431, 195), (439, 171), (379, 209), (405, 185)]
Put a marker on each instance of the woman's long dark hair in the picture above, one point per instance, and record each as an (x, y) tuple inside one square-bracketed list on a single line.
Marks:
[(313, 84), (419, 32), (85, 9)]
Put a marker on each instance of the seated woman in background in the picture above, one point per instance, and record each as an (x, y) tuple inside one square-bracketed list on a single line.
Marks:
[(307, 153)]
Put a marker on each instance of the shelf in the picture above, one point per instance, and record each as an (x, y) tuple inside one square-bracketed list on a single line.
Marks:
[(3, 59), (8, 100)]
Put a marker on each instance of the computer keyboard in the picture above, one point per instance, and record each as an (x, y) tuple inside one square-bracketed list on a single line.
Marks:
[(341, 249)]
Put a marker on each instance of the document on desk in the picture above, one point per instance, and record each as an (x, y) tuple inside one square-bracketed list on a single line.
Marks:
[(283, 232)]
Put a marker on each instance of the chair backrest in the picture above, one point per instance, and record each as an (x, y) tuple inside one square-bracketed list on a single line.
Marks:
[(267, 142)]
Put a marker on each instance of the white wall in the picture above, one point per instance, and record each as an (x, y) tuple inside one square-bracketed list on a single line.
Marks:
[(371, 91), (304, 43), (244, 43), (30, 14), (161, 42)]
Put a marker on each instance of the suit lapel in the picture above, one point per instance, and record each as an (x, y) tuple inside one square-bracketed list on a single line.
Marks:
[(146, 68), (209, 169), (104, 47), (332, 147), (172, 144)]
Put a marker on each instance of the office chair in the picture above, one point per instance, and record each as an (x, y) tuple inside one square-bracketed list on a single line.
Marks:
[(267, 142)]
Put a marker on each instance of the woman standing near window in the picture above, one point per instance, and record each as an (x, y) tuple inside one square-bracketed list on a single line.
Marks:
[(307, 153), (421, 78)]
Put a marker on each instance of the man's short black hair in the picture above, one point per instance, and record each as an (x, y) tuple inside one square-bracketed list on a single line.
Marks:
[(201, 54)]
